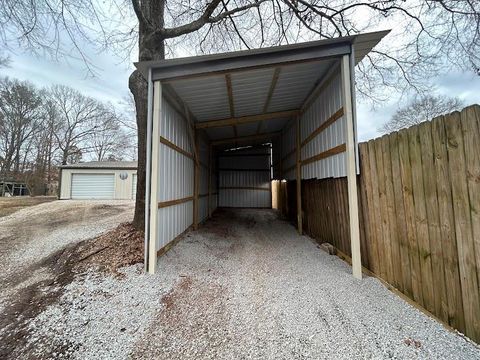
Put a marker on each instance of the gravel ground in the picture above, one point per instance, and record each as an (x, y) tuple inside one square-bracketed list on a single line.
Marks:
[(243, 286), (34, 233)]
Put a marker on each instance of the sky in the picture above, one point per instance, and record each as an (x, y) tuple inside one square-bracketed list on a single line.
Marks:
[(111, 84)]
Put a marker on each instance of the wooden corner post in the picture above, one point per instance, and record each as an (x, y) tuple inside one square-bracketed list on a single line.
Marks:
[(347, 87), (299, 176), (154, 179)]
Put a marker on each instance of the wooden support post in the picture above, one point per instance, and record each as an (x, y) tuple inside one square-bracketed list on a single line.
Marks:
[(351, 167), (196, 183), (299, 176), (210, 158), (154, 157)]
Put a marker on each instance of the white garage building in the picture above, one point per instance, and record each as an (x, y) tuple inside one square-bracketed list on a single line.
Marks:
[(99, 180)]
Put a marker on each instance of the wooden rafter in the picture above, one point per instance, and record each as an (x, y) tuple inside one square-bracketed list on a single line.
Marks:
[(273, 84), (245, 119), (228, 80), (246, 138)]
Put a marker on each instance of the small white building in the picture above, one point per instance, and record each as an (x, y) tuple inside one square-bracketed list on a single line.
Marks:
[(99, 180)]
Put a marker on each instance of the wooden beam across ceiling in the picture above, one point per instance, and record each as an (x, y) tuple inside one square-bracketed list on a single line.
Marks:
[(246, 138), (273, 84), (228, 80), (245, 119)]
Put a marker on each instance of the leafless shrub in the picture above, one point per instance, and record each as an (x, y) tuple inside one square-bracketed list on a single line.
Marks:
[(423, 109)]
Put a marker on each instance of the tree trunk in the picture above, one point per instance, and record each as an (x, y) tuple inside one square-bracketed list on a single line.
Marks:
[(138, 87), (150, 47)]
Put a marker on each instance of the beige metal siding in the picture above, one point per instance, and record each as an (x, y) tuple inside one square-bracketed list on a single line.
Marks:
[(325, 105), (175, 174)]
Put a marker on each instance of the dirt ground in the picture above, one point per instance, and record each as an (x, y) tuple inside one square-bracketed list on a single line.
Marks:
[(36, 248), (9, 205)]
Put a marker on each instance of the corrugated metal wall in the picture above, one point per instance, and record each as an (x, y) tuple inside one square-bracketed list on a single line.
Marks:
[(327, 103), (244, 178), (176, 174)]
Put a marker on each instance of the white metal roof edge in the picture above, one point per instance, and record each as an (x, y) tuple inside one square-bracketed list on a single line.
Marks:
[(187, 66), (127, 165)]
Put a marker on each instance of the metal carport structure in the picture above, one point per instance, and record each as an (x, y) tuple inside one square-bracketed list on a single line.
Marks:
[(300, 98)]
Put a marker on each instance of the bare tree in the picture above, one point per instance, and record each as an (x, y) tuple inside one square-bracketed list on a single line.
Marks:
[(43, 151), (423, 109), (79, 118), (433, 36), (4, 61), (127, 119), (20, 119), (110, 140)]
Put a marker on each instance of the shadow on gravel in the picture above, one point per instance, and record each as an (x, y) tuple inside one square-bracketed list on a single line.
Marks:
[(117, 248), (30, 301)]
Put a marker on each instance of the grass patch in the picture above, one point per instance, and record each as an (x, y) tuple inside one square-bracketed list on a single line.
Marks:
[(9, 205)]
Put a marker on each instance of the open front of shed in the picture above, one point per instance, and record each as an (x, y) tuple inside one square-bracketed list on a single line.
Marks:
[(221, 127)]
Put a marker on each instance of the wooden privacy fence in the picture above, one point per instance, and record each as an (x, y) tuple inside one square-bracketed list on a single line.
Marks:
[(419, 198)]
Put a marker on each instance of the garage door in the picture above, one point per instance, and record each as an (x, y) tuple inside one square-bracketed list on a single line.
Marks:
[(93, 186), (134, 186)]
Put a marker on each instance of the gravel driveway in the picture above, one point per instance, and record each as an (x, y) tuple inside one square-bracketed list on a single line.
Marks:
[(32, 234), (244, 286)]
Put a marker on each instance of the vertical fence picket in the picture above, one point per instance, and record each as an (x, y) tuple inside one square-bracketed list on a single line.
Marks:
[(376, 209), (394, 247), (470, 120), (421, 218), (401, 227), (430, 188), (447, 225), (366, 174), (463, 226), (406, 174), (383, 204)]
